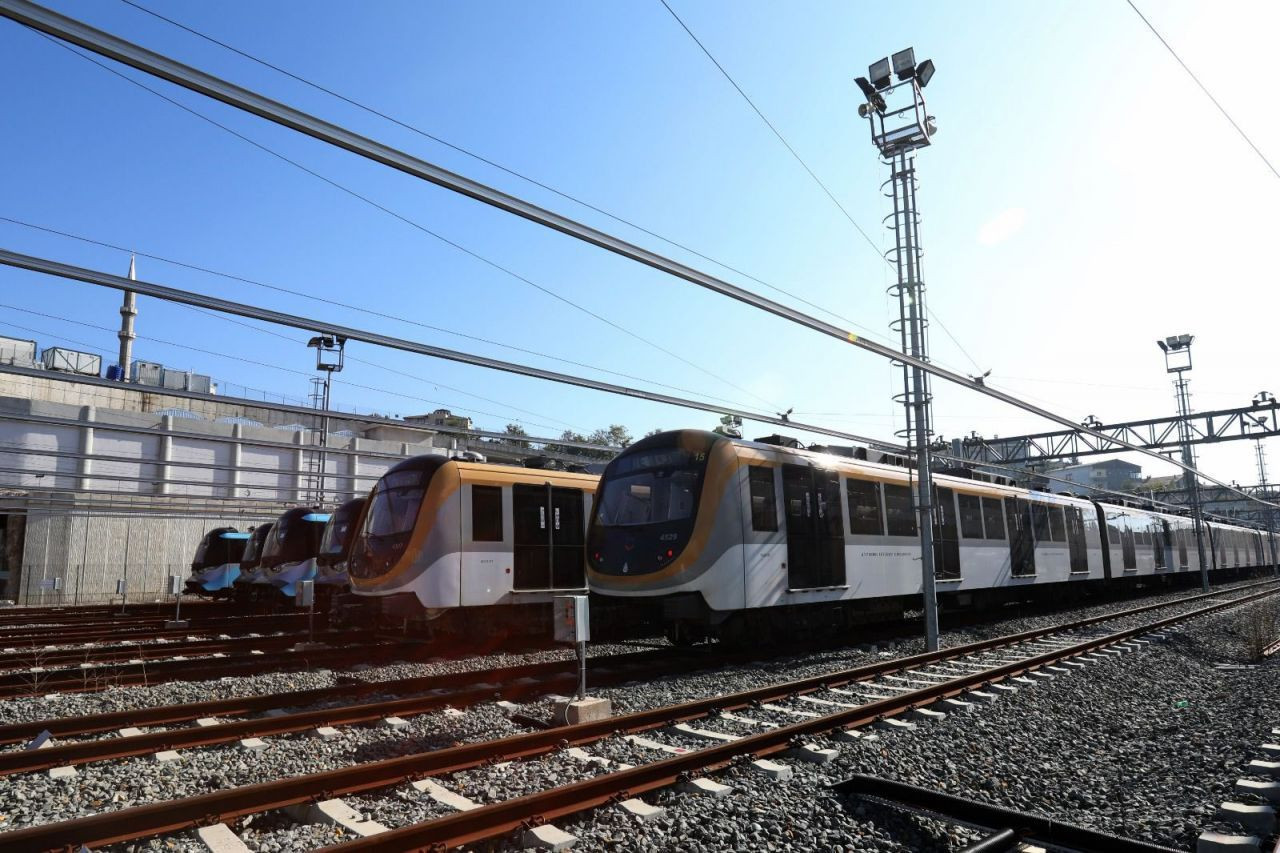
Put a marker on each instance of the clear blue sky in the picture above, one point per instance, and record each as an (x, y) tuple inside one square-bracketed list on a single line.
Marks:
[(1082, 200)]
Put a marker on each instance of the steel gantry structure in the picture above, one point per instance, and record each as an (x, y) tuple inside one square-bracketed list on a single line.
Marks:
[(1247, 422)]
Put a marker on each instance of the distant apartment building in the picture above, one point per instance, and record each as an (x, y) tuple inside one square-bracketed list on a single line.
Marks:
[(1115, 474), (440, 417)]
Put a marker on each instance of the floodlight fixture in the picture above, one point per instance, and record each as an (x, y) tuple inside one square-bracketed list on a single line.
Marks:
[(881, 73), (904, 63), (868, 90), (924, 72)]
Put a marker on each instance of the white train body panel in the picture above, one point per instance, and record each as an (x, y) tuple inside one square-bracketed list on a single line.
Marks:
[(464, 553), (734, 535)]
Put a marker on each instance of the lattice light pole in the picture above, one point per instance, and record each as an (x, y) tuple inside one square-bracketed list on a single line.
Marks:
[(900, 125), (1177, 360), (330, 357)]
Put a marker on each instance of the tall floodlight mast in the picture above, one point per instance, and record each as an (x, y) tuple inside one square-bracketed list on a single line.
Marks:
[(330, 357), (1177, 360), (1263, 398), (900, 125)]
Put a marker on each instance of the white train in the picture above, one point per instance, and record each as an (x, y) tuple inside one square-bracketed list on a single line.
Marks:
[(470, 546), (734, 538)]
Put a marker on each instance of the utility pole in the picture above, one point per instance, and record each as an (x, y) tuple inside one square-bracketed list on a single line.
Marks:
[(897, 131), (1177, 360)]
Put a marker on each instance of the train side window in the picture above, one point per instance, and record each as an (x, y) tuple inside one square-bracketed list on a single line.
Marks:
[(864, 507), (970, 516), (764, 502), (1057, 524), (900, 514), (486, 513), (993, 515), (1040, 522)]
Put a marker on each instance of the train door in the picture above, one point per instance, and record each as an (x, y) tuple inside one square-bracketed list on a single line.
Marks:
[(1181, 535), (946, 537), (1022, 552), (815, 527), (548, 549), (1159, 536), (1076, 548)]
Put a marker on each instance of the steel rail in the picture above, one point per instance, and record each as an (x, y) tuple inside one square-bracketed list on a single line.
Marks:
[(220, 806), (143, 650), (1272, 649), (20, 612), (142, 633), (605, 670), (213, 303), (489, 821), (150, 62), (1027, 826), (465, 688), (97, 679)]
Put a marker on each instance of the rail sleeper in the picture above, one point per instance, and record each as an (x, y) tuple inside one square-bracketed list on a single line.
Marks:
[(337, 812)]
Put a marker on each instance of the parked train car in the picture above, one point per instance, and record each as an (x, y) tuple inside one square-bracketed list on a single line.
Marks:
[(335, 545), (216, 565), (289, 554), (739, 539), (469, 547), (251, 560)]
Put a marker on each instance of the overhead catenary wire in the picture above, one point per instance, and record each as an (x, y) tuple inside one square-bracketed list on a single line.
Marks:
[(105, 44), (804, 165), (242, 359), (415, 224), (630, 223), (347, 306), (173, 294), (1204, 88)]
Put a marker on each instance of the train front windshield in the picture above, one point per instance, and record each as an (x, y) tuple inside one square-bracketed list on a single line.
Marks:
[(664, 492), (337, 533), (645, 508), (388, 522), (253, 551), (219, 547)]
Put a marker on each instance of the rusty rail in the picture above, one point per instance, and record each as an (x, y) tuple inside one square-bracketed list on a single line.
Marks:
[(497, 819), (488, 821)]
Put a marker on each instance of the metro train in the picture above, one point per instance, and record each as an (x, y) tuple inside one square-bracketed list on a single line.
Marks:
[(251, 559), (289, 554), (737, 539), (335, 545), (216, 565), (468, 548)]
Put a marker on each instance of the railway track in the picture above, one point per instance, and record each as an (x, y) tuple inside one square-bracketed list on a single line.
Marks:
[(151, 649), (98, 678), (790, 714), (445, 690), (139, 630)]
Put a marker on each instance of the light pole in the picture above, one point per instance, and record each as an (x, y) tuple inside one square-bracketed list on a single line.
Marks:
[(900, 124), (330, 355), (1263, 398), (1177, 360)]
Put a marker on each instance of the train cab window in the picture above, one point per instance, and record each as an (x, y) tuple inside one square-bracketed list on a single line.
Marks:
[(486, 513), (1057, 524), (993, 516), (899, 511), (970, 516), (764, 503), (864, 507)]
